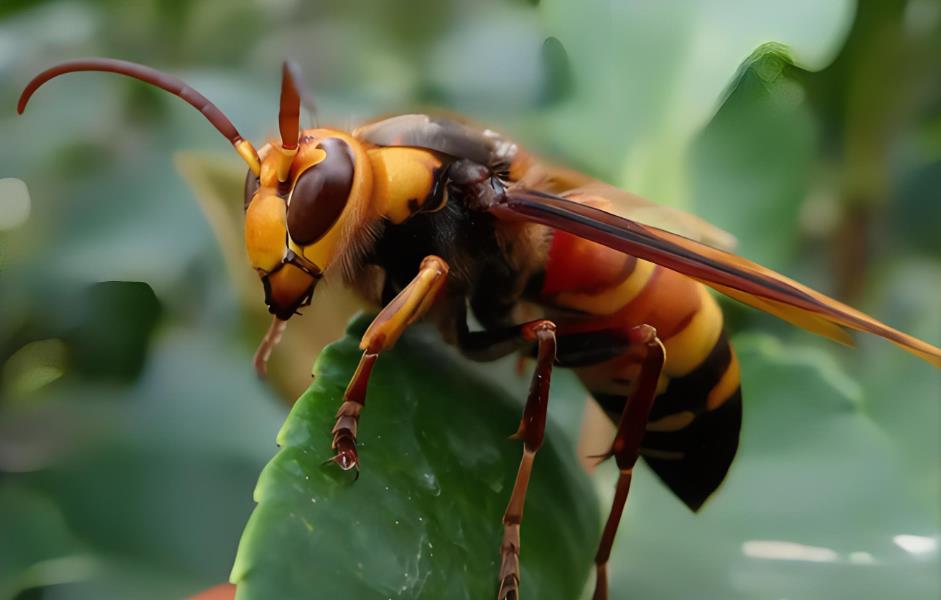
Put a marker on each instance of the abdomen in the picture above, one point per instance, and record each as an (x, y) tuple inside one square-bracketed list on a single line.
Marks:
[(596, 295)]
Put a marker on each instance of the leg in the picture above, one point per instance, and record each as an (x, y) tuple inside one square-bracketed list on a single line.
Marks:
[(626, 446), (531, 430), (574, 349), (406, 308), (491, 344)]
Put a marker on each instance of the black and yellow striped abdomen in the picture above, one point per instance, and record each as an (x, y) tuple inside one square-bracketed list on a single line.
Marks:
[(690, 440), (597, 295)]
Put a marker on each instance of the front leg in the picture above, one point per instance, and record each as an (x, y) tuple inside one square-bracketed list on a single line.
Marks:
[(406, 308)]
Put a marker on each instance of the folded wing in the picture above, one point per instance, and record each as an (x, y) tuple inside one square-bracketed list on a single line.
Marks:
[(732, 275)]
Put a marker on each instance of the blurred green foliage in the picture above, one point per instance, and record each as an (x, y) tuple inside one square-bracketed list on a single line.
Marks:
[(132, 430)]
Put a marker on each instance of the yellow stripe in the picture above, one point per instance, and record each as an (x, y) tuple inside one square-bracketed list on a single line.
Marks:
[(727, 385), (613, 299), (691, 345)]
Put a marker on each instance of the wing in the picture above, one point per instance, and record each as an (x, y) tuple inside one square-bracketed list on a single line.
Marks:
[(637, 208), (547, 177), (734, 276)]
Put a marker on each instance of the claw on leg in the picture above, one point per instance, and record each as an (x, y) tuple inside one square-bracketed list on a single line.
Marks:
[(347, 423), (346, 456), (344, 437)]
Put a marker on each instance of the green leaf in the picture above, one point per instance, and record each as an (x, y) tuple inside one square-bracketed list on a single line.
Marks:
[(424, 518)]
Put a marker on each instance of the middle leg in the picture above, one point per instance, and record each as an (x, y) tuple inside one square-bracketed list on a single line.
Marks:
[(531, 431)]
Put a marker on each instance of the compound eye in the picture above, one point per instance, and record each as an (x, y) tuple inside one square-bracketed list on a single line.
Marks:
[(251, 186), (320, 193)]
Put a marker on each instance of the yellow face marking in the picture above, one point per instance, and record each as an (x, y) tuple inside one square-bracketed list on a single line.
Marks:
[(673, 422), (322, 251), (726, 387), (265, 230), (611, 300), (690, 346), (307, 156)]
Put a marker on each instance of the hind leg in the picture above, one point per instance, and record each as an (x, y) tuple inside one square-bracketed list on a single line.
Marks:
[(626, 446)]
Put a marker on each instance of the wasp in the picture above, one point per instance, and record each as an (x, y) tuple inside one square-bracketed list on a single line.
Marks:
[(430, 218)]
